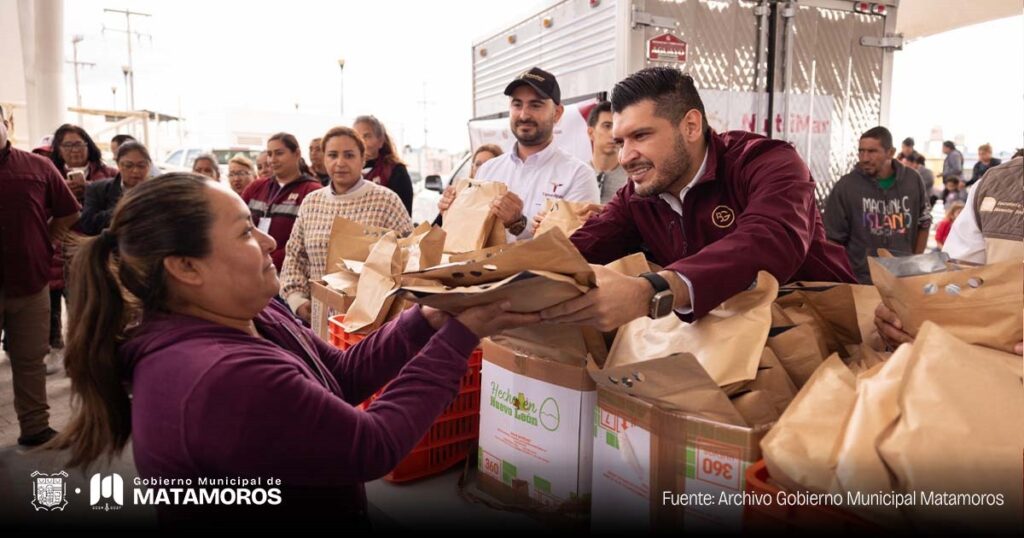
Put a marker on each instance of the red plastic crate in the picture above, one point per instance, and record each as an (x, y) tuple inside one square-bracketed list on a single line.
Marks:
[(798, 518), (453, 434), (339, 338)]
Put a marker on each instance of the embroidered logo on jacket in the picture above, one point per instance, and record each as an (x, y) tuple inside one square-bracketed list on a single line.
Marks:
[(723, 216)]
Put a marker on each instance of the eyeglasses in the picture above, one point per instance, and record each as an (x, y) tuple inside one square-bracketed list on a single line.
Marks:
[(239, 173), (129, 166), (73, 145)]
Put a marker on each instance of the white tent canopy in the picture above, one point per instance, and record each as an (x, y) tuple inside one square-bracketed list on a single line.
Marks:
[(922, 18)]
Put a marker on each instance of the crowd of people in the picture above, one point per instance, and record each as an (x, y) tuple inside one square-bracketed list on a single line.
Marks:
[(179, 323)]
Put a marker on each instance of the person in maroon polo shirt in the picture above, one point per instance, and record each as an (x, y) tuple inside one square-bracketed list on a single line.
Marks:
[(36, 209), (274, 201), (712, 209)]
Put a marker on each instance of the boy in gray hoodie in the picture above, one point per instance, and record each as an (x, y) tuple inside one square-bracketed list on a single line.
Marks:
[(880, 204)]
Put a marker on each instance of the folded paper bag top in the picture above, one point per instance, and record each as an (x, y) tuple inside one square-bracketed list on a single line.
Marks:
[(673, 383), (562, 214), (981, 305), (728, 342), (469, 223)]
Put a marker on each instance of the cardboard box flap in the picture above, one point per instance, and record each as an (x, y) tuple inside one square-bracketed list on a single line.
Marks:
[(677, 383), (519, 357)]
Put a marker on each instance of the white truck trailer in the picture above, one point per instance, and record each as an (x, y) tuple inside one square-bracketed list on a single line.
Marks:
[(814, 72)]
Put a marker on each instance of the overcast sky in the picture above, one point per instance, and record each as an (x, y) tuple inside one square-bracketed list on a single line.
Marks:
[(270, 55)]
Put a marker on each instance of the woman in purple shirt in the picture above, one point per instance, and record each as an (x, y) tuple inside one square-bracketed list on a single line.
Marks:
[(212, 379)]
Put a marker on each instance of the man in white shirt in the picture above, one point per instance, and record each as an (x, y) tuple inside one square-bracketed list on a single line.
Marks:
[(535, 169)]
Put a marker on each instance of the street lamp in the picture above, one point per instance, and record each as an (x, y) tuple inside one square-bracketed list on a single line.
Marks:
[(341, 99)]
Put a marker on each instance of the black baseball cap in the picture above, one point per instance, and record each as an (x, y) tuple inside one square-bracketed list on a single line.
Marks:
[(540, 80)]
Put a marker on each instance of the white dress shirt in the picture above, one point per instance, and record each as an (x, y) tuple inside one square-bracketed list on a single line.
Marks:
[(676, 203), (549, 173)]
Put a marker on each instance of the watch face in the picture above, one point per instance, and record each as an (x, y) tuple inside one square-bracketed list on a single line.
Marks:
[(661, 304)]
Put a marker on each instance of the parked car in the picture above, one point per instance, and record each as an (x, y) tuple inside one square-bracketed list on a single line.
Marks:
[(424, 205), (181, 159)]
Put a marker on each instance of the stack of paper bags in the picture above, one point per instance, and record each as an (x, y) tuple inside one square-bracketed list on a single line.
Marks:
[(717, 367), (375, 294), (531, 275), (940, 415), (811, 320)]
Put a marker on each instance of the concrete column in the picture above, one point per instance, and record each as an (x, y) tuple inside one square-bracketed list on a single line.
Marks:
[(42, 31)]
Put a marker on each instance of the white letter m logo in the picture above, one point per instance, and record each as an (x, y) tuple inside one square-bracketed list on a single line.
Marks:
[(109, 487)]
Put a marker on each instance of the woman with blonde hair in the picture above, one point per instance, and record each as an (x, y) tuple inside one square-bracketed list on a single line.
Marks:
[(241, 172)]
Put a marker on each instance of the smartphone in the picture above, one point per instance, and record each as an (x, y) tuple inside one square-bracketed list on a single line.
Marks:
[(77, 175)]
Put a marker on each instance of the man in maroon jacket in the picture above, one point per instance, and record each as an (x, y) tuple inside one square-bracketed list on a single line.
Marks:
[(712, 209), (36, 209)]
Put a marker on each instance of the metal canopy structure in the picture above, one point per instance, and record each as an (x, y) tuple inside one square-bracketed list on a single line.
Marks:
[(922, 18)]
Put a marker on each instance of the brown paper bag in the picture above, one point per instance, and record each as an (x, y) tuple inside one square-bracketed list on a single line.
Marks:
[(960, 429), (632, 265), (799, 350), (756, 407), (350, 241), (468, 223), (844, 311), (558, 343), (674, 383), (773, 380), (345, 282), (728, 341), (800, 450), (985, 307), (858, 465), (531, 275), (422, 248), (562, 214), (375, 291), (779, 317)]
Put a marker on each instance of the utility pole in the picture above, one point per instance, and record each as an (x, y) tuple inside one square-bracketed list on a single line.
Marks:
[(341, 98), (75, 40), (423, 149), (130, 72)]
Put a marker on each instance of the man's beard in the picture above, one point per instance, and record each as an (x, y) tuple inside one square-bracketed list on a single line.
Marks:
[(668, 174), (541, 133)]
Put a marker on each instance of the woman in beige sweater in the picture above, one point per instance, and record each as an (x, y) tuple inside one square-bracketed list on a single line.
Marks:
[(348, 196)]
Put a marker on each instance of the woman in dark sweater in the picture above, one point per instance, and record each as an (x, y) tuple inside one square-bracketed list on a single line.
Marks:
[(383, 165), (212, 379)]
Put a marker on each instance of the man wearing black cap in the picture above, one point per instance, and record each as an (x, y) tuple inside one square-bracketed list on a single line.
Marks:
[(535, 169)]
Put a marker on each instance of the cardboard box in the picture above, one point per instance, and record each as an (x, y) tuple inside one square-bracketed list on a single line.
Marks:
[(326, 303), (536, 430), (641, 452)]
